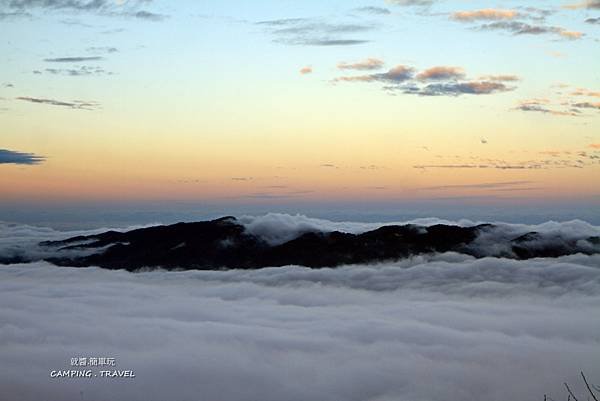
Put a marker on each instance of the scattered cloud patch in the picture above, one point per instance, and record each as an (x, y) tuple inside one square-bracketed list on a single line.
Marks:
[(441, 73), (8, 15), (400, 73), (434, 81), (102, 49), (500, 78), (585, 92), (487, 14), (306, 70), (535, 13), (363, 65), (587, 105), (586, 4), (78, 72), (12, 157), (75, 22), (535, 105), (146, 15), (374, 10), (372, 167)]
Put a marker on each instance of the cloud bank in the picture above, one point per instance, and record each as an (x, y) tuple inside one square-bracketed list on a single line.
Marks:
[(443, 328)]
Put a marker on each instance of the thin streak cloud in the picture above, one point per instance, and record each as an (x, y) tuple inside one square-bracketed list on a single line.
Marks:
[(74, 104), (13, 157), (73, 59)]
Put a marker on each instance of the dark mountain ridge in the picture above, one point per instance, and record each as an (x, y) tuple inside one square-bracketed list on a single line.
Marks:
[(224, 243)]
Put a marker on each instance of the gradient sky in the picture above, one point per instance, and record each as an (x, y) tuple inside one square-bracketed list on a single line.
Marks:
[(290, 101)]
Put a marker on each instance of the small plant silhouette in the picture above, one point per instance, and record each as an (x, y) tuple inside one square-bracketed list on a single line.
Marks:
[(572, 396)]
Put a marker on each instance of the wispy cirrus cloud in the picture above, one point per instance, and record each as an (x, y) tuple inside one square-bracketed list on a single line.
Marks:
[(513, 21), (74, 104), (76, 59), (553, 159), (523, 28), (409, 3), (8, 15), (102, 49), (315, 32), (544, 106), (573, 103), (486, 185), (479, 166), (13, 157), (78, 72), (278, 195), (109, 8), (500, 78), (79, 5)]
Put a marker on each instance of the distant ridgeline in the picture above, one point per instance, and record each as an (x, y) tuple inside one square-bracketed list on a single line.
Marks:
[(225, 243)]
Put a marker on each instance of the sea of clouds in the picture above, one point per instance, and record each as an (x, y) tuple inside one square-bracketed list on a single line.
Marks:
[(439, 327)]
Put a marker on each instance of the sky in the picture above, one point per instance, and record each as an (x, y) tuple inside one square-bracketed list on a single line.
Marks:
[(282, 103)]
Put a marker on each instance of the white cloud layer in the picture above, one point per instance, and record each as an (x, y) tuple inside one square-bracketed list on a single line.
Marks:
[(22, 241), (439, 328)]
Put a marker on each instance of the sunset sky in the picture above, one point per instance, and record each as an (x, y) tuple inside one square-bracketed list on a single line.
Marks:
[(287, 101)]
